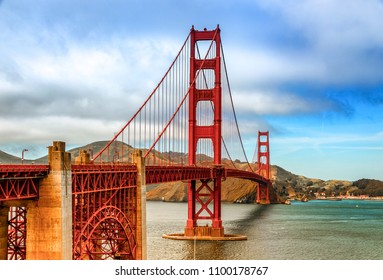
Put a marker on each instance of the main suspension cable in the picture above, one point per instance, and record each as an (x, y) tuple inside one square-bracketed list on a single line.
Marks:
[(232, 105)]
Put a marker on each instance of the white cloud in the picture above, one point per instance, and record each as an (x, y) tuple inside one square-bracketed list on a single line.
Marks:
[(83, 84), (55, 85), (270, 102), (334, 141), (344, 38), (44, 130), (352, 21), (261, 66), (107, 67)]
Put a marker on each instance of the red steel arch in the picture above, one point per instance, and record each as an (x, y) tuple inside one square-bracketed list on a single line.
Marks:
[(108, 234), (104, 202)]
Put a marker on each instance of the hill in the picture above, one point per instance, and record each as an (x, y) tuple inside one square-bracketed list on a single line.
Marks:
[(286, 185), (92, 148), (8, 159), (290, 185)]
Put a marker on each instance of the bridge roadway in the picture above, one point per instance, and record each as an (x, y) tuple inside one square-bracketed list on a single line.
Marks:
[(20, 182)]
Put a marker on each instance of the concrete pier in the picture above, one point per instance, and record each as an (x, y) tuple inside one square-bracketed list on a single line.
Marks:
[(82, 158), (49, 220), (139, 161)]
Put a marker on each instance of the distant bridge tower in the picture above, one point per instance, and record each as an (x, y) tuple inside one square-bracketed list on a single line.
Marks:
[(204, 201), (263, 153)]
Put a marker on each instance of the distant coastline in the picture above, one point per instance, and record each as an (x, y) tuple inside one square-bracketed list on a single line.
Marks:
[(350, 198)]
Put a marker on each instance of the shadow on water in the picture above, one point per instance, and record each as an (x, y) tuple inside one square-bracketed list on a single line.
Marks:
[(258, 212), (249, 221)]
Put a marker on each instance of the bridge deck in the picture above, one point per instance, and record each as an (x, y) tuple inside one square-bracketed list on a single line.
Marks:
[(21, 181)]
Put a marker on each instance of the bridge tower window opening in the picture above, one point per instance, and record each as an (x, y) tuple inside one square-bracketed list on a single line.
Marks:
[(205, 113), (263, 138), (205, 79), (205, 152), (205, 49)]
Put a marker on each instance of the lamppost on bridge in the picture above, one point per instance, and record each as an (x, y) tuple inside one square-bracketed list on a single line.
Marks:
[(22, 155)]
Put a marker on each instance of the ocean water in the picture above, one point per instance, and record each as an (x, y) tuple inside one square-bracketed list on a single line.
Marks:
[(314, 230)]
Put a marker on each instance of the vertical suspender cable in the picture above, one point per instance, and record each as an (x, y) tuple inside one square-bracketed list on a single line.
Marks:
[(232, 104)]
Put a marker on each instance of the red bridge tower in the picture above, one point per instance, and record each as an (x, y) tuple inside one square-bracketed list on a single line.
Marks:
[(263, 196), (204, 201)]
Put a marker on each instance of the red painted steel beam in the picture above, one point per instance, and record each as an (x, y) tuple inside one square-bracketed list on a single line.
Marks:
[(205, 63), (204, 35), (17, 233), (23, 169), (98, 174), (246, 175), (78, 168), (159, 174), (204, 94), (21, 181)]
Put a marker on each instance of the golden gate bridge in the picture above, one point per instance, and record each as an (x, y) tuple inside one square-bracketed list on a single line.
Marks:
[(94, 208)]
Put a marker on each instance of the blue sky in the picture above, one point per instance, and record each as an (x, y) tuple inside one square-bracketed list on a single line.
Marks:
[(310, 72)]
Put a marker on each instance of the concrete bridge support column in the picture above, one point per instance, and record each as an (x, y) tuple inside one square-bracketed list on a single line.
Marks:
[(4, 233), (49, 220), (141, 253)]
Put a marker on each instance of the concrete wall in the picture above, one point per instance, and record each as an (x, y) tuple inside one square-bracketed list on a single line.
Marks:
[(49, 219)]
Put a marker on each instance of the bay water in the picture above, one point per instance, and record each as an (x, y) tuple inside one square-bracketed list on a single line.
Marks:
[(313, 230)]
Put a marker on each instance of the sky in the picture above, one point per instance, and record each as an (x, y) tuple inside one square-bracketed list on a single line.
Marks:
[(309, 72)]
